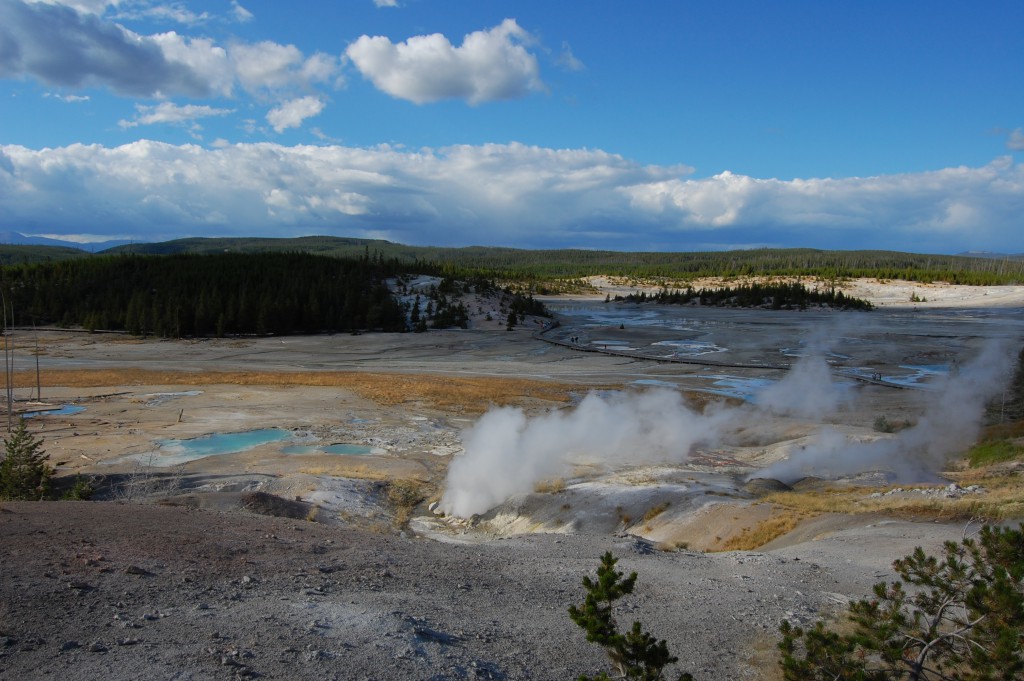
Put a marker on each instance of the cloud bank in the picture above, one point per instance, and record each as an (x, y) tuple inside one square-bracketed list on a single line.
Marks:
[(493, 194)]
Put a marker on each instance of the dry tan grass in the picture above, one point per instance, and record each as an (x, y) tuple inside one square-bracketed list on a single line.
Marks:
[(457, 394), (655, 511), (1003, 499), (550, 486), (782, 521), (403, 497)]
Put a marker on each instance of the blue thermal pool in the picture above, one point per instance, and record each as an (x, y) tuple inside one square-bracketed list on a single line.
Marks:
[(66, 410)]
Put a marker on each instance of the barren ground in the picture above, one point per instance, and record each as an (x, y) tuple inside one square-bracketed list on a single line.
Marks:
[(211, 568)]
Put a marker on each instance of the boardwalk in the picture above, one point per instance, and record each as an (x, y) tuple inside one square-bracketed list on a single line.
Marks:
[(605, 350)]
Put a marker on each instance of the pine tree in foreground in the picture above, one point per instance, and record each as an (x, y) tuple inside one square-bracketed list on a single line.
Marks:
[(635, 654), (958, 617), (24, 471)]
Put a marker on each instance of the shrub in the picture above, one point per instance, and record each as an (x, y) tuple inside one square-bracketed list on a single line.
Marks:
[(993, 451), (81, 490), (24, 472)]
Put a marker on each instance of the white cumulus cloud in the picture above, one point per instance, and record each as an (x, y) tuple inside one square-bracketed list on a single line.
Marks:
[(242, 15), (1015, 142), (167, 112), (293, 112), (267, 66), (489, 65)]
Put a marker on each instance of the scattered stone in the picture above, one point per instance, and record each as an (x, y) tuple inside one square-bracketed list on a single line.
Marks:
[(428, 634)]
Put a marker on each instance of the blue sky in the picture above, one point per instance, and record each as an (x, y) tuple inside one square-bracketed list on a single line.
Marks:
[(665, 125)]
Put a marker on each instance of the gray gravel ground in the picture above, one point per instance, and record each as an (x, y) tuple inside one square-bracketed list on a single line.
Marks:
[(103, 590)]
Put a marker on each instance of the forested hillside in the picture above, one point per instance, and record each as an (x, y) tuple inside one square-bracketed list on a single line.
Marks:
[(540, 265), (776, 296), (198, 295)]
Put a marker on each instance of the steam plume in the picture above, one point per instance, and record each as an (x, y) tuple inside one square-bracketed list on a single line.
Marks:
[(951, 421), (507, 452)]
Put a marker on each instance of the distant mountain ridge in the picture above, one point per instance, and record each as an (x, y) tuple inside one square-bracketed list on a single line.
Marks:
[(570, 264), (17, 238), (991, 254)]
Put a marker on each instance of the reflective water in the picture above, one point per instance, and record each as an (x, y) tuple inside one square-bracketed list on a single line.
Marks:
[(66, 410), (689, 348)]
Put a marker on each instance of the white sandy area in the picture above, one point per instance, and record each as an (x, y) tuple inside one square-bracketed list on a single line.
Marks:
[(880, 293)]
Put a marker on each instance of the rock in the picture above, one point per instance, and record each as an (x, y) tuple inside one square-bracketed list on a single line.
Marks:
[(762, 486), (98, 647)]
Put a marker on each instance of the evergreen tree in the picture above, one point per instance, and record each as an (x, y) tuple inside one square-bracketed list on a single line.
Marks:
[(635, 654), (24, 472), (962, 619)]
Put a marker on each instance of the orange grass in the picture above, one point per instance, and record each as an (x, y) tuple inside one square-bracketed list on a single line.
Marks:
[(465, 394)]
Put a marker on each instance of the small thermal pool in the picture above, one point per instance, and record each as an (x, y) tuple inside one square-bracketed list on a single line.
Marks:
[(177, 452), (921, 374), (745, 389), (66, 410), (224, 443)]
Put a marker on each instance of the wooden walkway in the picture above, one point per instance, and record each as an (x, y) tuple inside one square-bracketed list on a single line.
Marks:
[(604, 350)]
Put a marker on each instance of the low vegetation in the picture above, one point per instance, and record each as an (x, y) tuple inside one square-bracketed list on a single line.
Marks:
[(461, 394), (958, 616), (549, 486), (781, 522), (403, 496), (1000, 496), (995, 451), (882, 424)]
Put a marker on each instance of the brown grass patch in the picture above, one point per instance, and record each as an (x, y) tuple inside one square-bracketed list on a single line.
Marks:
[(552, 486), (1003, 499), (782, 521), (655, 511), (457, 394), (403, 496)]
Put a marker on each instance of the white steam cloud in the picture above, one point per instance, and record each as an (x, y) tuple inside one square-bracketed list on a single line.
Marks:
[(508, 452), (950, 422), (807, 391)]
